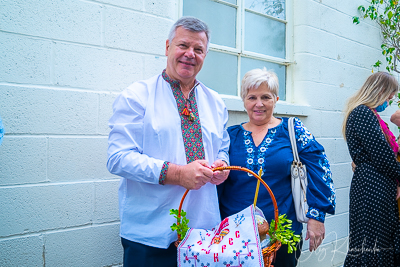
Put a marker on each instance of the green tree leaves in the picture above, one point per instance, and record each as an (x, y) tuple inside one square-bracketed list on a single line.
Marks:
[(386, 13)]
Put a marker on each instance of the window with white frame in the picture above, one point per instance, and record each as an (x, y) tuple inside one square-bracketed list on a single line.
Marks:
[(245, 34)]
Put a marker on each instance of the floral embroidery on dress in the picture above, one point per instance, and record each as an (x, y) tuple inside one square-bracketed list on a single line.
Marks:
[(255, 155), (316, 214), (305, 137), (302, 133), (327, 177)]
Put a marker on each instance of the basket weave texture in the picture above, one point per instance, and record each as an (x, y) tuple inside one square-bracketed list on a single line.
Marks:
[(268, 252)]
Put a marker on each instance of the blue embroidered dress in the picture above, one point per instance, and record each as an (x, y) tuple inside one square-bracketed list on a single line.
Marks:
[(274, 155)]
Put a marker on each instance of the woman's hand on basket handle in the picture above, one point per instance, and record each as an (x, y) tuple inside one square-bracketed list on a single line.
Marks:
[(316, 233), (191, 176), (219, 176)]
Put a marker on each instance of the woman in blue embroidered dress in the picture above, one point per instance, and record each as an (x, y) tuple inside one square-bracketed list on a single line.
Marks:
[(263, 142)]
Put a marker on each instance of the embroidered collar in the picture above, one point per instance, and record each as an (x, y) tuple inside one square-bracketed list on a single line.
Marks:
[(184, 104), (190, 120), (255, 154), (175, 84)]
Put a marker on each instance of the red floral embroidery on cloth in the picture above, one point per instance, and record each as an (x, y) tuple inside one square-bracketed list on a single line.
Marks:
[(388, 134), (190, 123)]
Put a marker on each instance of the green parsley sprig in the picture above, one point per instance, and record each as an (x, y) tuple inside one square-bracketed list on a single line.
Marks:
[(181, 226), (284, 233)]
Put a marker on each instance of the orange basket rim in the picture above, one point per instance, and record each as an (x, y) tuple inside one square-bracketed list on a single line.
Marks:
[(237, 168)]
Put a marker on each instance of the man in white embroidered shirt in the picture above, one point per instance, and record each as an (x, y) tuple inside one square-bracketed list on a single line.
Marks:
[(166, 133)]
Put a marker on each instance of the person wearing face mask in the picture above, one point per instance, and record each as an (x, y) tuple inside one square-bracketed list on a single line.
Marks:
[(374, 238)]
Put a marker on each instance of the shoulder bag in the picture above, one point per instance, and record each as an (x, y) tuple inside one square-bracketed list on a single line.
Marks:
[(299, 179)]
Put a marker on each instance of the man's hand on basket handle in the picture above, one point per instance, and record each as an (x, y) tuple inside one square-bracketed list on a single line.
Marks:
[(191, 176), (316, 233), (219, 176)]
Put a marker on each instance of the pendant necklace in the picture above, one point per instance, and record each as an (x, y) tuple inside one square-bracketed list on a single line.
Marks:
[(187, 111)]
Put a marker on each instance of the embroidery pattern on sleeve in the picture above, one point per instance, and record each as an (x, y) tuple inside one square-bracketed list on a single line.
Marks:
[(305, 137), (327, 177), (302, 133)]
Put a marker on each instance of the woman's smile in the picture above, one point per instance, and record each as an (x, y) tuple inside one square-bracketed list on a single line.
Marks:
[(259, 104)]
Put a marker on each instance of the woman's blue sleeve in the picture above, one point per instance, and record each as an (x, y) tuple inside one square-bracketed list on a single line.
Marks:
[(321, 196)]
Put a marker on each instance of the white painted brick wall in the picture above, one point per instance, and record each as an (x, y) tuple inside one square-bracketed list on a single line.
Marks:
[(73, 21), (137, 31), (38, 110), (37, 208), (333, 57), (24, 59), (342, 201), (25, 251), (341, 172), (331, 254), (77, 158), (22, 159), (74, 67), (129, 4), (314, 41), (335, 229), (89, 240), (62, 65)]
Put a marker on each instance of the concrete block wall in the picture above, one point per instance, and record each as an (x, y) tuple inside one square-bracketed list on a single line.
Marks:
[(62, 65), (332, 59)]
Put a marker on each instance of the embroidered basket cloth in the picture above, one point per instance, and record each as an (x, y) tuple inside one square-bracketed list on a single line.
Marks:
[(234, 242)]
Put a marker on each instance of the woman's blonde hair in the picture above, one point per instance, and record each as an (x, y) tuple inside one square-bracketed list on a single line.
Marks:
[(254, 78), (374, 92)]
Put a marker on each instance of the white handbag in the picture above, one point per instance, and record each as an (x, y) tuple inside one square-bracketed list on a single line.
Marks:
[(299, 179)]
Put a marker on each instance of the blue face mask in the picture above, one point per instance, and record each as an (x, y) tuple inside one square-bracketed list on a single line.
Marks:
[(382, 107)]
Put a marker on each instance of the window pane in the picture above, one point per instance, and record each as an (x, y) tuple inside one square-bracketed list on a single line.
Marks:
[(219, 72), (231, 1), (280, 70), (273, 8), (264, 35), (220, 18)]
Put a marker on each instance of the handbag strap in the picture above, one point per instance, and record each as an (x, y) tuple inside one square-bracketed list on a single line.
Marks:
[(293, 140)]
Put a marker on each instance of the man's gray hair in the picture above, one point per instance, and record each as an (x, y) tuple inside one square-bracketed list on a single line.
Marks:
[(191, 24)]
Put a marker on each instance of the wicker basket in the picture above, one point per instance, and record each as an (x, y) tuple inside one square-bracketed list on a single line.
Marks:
[(268, 252)]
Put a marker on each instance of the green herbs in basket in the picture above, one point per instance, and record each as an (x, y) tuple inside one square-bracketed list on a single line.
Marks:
[(284, 233), (181, 227)]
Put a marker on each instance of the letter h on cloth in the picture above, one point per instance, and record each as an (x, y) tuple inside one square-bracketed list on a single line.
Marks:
[(299, 180), (234, 242)]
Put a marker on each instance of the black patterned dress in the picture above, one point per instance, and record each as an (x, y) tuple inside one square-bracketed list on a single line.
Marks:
[(374, 216)]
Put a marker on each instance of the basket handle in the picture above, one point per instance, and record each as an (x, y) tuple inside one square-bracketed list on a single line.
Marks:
[(237, 168)]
